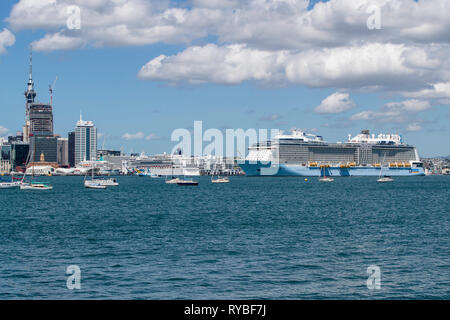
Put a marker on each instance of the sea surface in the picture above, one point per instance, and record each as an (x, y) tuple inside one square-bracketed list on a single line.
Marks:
[(254, 238)]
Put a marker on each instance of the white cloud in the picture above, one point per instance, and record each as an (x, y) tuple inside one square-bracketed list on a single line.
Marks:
[(3, 131), (277, 42), (415, 126), (133, 136), (140, 136), (271, 117), (261, 24), (230, 64), (57, 41), (395, 112), (407, 106), (370, 66), (335, 103), (152, 136), (440, 91), (7, 39)]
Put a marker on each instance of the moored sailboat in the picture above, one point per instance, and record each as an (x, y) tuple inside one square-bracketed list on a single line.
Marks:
[(323, 177)]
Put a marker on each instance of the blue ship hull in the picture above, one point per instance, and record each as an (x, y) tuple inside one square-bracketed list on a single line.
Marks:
[(267, 169)]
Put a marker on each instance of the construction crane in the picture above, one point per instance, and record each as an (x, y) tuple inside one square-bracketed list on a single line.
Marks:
[(51, 88)]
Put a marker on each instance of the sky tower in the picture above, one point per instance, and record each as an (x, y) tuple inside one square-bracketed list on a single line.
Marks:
[(30, 95)]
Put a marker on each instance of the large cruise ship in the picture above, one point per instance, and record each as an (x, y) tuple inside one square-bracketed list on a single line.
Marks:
[(302, 154)]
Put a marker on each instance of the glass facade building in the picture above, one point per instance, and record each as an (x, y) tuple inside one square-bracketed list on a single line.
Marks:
[(71, 150), (46, 145), (19, 154), (85, 141)]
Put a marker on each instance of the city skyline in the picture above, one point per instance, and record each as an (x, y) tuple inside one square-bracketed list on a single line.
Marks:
[(137, 93)]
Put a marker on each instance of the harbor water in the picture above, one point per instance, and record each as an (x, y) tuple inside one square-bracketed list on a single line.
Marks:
[(252, 238)]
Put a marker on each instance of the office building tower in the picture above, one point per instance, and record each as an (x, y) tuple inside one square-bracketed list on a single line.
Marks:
[(40, 119), (85, 141), (45, 146), (63, 152), (71, 151), (19, 155)]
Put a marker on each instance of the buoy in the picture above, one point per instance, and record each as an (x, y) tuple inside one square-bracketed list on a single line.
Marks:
[(306, 179)]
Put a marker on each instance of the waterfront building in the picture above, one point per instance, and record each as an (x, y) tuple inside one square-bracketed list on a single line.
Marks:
[(63, 152), (44, 145), (5, 167), (41, 167), (85, 141), (104, 152)]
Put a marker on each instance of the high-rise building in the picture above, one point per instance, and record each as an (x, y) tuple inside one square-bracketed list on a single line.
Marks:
[(45, 146), (19, 154), (5, 159), (85, 141), (71, 151), (40, 118), (63, 152), (5, 153)]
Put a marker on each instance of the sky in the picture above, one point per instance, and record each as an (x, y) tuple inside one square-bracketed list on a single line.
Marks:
[(141, 69)]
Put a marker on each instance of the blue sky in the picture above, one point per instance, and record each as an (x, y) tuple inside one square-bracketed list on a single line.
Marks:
[(101, 76)]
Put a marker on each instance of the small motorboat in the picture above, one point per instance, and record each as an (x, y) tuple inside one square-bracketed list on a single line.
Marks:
[(326, 179), (385, 179), (220, 180)]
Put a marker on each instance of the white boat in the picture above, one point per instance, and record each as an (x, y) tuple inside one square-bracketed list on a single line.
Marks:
[(9, 185), (220, 180), (174, 181), (111, 182), (35, 186), (93, 185), (384, 179), (98, 183), (325, 178)]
